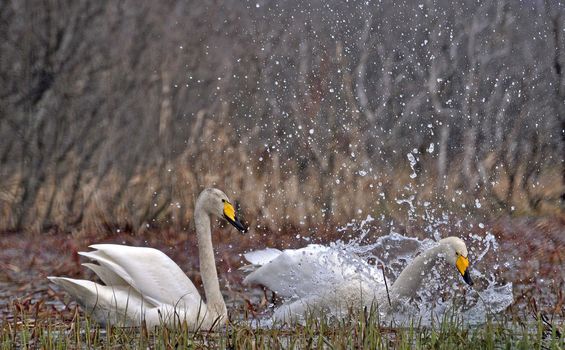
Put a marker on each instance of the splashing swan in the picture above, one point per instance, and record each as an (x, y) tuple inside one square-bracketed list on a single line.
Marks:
[(144, 284), (318, 279)]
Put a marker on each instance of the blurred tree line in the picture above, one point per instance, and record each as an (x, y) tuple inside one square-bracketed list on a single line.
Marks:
[(116, 114)]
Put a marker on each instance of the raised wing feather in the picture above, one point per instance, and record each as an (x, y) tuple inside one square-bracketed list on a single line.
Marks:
[(262, 257), (149, 271), (109, 277), (312, 270), (294, 272)]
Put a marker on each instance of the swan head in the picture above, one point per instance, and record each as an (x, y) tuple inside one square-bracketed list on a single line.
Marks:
[(456, 254), (215, 202)]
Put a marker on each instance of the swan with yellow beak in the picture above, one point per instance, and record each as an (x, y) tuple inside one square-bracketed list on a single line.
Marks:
[(318, 278)]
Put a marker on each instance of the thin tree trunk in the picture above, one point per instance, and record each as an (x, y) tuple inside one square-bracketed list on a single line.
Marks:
[(442, 158)]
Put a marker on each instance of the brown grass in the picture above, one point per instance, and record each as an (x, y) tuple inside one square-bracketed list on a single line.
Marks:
[(315, 187), (273, 193)]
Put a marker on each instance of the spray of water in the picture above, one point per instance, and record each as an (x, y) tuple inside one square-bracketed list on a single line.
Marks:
[(361, 257), (443, 291)]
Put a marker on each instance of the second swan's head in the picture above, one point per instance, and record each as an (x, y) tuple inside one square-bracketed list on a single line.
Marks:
[(215, 202), (456, 254)]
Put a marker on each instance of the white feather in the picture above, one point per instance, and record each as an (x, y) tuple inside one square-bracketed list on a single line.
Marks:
[(145, 285), (329, 280), (262, 257)]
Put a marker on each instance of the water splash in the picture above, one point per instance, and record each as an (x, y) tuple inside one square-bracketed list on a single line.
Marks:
[(412, 159), (395, 251)]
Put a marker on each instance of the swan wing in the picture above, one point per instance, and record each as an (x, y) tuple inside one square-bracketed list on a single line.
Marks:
[(293, 272), (149, 271), (312, 270), (109, 277), (123, 305), (262, 257), (108, 304)]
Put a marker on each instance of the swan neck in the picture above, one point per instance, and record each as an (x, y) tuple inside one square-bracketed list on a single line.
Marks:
[(411, 278), (215, 301)]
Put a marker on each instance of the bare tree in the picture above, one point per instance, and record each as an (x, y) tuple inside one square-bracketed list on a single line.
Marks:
[(114, 114)]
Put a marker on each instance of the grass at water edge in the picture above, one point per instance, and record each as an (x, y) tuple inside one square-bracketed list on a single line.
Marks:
[(358, 330)]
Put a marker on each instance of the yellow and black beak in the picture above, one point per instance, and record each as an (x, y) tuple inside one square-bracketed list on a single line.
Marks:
[(462, 264), (229, 215)]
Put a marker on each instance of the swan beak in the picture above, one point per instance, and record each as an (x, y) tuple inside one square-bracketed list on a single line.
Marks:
[(229, 215), (462, 264), (467, 278)]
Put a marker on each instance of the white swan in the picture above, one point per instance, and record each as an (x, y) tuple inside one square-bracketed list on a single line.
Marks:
[(145, 285), (326, 280)]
